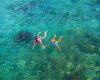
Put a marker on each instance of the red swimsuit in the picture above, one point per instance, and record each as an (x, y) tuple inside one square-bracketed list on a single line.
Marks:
[(39, 40)]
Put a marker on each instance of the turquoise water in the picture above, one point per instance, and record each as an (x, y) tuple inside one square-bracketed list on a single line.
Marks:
[(78, 21)]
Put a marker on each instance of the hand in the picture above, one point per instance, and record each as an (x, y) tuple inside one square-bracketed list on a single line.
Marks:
[(46, 31), (61, 36), (39, 32), (55, 35)]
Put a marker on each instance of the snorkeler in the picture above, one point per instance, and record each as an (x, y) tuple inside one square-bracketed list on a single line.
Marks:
[(38, 39), (55, 42)]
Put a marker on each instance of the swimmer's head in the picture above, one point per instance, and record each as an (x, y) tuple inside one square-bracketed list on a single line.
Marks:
[(36, 37)]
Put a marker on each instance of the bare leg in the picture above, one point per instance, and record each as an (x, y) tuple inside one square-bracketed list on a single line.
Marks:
[(42, 45), (59, 48), (34, 45)]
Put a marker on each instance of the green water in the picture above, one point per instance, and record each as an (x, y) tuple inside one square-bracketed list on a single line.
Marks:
[(78, 21)]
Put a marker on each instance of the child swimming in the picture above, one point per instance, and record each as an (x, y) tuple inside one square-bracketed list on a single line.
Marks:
[(38, 39), (55, 42)]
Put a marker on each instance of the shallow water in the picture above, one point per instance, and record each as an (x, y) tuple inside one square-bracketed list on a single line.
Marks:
[(78, 21)]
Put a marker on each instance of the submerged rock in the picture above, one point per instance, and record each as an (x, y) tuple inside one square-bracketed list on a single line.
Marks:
[(23, 36)]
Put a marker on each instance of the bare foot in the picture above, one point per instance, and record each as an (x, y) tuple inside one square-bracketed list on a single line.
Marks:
[(33, 47), (43, 47)]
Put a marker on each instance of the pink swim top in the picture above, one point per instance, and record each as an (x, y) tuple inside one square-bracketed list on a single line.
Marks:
[(39, 40)]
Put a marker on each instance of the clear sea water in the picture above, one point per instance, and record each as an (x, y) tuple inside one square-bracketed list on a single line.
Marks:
[(78, 21)]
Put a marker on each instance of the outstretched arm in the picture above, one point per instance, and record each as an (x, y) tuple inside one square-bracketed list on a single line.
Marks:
[(38, 35), (54, 36), (60, 39), (45, 34)]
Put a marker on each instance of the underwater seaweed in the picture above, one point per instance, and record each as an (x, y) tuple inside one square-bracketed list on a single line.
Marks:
[(87, 41)]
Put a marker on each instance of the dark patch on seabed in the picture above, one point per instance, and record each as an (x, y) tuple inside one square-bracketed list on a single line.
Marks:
[(23, 36)]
